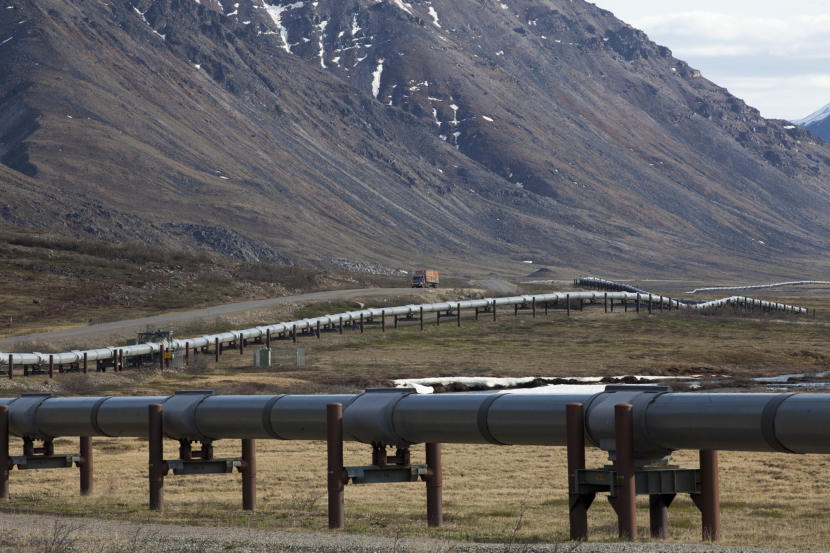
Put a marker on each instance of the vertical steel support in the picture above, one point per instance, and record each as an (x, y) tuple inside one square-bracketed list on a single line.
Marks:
[(268, 338), (422, 317), (336, 471), (85, 464), (581, 304), (51, 366), (11, 366), (458, 315), (626, 498), (605, 302), (241, 344), (710, 495), (670, 302), (568, 301), (516, 310), (361, 323), (494, 310), (215, 349), (187, 354), (612, 305), (434, 483), (533, 306), (86, 364), (396, 321), (437, 318), (658, 514), (161, 355), (318, 330), (649, 304), (383, 320), (625, 305), (340, 326), (575, 438), (546, 309), (476, 314), (4, 452), (156, 473), (638, 303), (294, 333), (248, 470)]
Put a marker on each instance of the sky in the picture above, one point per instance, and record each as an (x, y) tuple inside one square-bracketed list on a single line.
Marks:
[(775, 55)]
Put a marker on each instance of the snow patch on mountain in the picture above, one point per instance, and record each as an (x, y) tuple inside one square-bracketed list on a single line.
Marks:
[(376, 78), (276, 16)]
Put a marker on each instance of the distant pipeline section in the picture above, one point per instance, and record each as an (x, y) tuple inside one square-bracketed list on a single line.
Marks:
[(406, 312), (593, 283)]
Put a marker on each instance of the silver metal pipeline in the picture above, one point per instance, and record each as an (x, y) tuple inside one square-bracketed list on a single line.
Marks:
[(75, 357), (664, 421)]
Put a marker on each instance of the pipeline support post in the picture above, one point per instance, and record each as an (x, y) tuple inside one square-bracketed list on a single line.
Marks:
[(51, 366), (709, 499), (241, 344), (248, 470), (533, 306), (605, 302), (216, 350), (494, 310), (361, 323), (336, 471), (434, 484), (383, 320), (625, 503), (568, 302), (11, 366), (422, 317), (458, 315), (658, 514), (85, 465), (157, 464), (86, 366), (578, 504), (5, 461)]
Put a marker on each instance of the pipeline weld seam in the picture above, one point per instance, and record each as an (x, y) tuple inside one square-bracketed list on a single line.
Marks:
[(481, 419), (266, 416), (768, 422)]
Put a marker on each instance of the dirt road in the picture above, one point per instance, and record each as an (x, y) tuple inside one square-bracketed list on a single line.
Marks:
[(134, 325)]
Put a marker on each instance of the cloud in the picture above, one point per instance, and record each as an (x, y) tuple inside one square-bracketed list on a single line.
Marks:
[(710, 33)]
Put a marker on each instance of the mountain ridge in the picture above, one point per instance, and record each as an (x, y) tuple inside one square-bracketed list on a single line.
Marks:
[(580, 142)]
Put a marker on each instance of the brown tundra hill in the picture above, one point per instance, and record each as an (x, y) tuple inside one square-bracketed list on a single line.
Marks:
[(384, 133)]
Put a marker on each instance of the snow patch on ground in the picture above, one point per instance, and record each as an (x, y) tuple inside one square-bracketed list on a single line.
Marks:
[(355, 26), (144, 19), (403, 5), (276, 16), (376, 78), (435, 116), (490, 119), (434, 15), (588, 384), (322, 28)]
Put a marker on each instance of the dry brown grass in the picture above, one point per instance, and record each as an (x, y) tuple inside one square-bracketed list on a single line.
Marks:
[(767, 499)]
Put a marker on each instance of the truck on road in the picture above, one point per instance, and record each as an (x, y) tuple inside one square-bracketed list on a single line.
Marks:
[(425, 278)]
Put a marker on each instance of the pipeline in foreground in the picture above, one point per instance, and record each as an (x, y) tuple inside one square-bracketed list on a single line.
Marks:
[(663, 420), (350, 317)]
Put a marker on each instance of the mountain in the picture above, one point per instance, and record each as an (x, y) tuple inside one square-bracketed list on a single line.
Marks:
[(470, 134), (818, 123)]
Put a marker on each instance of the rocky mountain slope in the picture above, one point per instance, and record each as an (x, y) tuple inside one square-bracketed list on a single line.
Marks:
[(818, 123), (463, 133)]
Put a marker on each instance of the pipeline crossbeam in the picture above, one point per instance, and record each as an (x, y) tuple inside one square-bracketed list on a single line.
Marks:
[(663, 420), (291, 328)]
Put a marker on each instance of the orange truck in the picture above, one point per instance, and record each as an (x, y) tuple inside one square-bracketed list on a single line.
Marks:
[(425, 278)]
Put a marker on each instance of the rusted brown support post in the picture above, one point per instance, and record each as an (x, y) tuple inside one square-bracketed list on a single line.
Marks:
[(625, 305), (157, 464), (187, 353), (161, 356), (710, 495), (248, 470), (383, 320), (624, 464), (605, 302), (86, 364), (361, 323), (422, 317), (658, 514), (568, 302), (318, 330), (340, 326), (612, 305), (516, 310), (637, 309), (336, 471), (661, 302), (476, 314), (546, 310), (396, 321), (649, 304), (4, 452), (241, 344), (11, 366), (51, 366), (533, 306), (581, 304), (434, 483), (575, 438), (294, 333), (85, 464), (458, 315), (494, 310), (437, 318), (267, 337), (216, 350)]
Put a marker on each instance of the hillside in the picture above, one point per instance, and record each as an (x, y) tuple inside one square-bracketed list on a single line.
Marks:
[(468, 134)]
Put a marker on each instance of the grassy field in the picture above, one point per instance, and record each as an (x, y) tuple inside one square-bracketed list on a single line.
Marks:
[(512, 493)]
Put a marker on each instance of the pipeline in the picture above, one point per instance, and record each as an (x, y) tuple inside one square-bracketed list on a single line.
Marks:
[(663, 420), (75, 357)]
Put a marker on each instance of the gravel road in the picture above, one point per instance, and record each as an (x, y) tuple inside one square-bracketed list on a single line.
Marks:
[(20, 532), (135, 325)]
